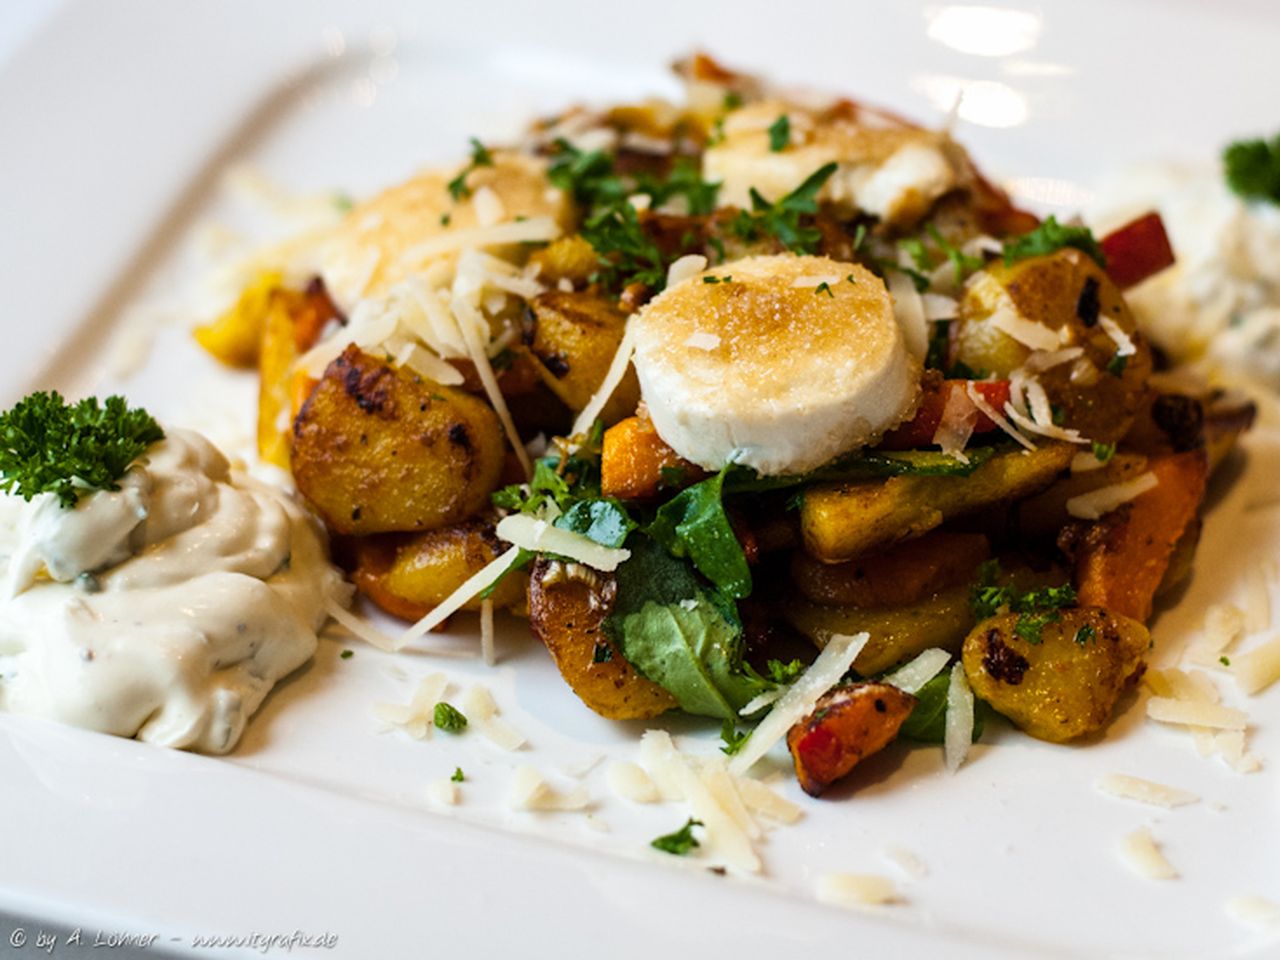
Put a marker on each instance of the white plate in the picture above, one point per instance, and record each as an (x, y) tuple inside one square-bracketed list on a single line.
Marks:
[(119, 121)]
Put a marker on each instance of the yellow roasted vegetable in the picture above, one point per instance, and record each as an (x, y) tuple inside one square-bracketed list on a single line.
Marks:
[(378, 449), (574, 338), (235, 336), (841, 521), (1062, 681)]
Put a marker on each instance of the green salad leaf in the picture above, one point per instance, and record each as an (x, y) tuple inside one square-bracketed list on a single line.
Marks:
[(927, 723), (694, 524), (605, 521)]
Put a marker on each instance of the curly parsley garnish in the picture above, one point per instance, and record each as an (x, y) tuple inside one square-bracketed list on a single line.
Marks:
[(680, 842), (780, 134), (50, 446), (1253, 168), (781, 219), (733, 739), (1036, 608), (480, 157), (1050, 237)]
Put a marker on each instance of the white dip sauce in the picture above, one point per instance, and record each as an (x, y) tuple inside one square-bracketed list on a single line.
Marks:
[(1220, 303), (165, 610)]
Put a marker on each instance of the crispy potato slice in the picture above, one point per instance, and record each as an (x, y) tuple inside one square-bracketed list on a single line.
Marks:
[(1064, 686), (847, 725), (843, 521), (574, 338), (568, 604), (408, 576), (379, 449), (1122, 558), (897, 633), (901, 575)]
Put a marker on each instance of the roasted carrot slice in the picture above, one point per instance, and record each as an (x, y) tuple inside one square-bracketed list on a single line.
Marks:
[(847, 725)]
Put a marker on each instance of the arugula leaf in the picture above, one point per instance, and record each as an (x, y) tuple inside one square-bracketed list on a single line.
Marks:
[(781, 219), (694, 653), (1051, 236), (50, 446), (694, 524), (681, 841), (1252, 168), (680, 635), (927, 722), (604, 521)]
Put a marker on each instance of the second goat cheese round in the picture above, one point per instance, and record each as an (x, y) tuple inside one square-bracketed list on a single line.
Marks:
[(780, 363)]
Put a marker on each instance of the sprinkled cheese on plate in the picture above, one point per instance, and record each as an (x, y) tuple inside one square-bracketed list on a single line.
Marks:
[(443, 792), (531, 791), (995, 416), (856, 890), (1196, 714), (629, 781), (958, 734), (1145, 791), (1143, 857), (1258, 668)]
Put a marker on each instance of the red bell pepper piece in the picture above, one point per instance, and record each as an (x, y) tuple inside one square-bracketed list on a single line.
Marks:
[(919, 430), (1137, 250)]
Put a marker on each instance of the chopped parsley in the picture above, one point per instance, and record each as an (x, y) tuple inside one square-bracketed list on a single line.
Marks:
[(1103, 452), (733, 740), (725, 279), (601, 652), (1252, 168), (964, 263), (1085, 634), (342, 202), (448, 718), (824, 287), (732, 100), (1036, 608), (1224, 660), (1117, 363), (445, 219), (780, 672), (480, 157), (50, 446), (680, 842), (781, 219), (1052, 236), (458, 775), (852, 279), (780, 134), (1030, 625), (346, 654)]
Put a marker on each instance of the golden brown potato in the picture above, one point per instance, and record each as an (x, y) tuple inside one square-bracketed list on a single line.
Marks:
[(235, 336), (1064, 291), (568, 604), (1066, 685), (846, 726), (903, 574), (410, 575), (842, 521), (570, 258), (897, 633), (574, 338), (378, 449), (1045, 513)]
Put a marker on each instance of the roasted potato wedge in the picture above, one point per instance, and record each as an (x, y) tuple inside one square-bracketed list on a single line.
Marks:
[(410, 575), (903, 574), (568, 604), (847, 725), (897, 633), (235, 336), (1066, 685), (573, 339), (379, 449), (1066, 293), (1045, 513), (843, 521), (633, 458)]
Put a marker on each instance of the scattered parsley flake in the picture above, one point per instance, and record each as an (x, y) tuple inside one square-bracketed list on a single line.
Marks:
[(1224, 660), (780, 672), (448, 718), (725, 279), (1030, 625), (733, 740), (732, 100), (964, 263), (342, 202), (480, 157), (824, 287), (458, 776), (1252, 169), (1052, 236), (1086, 634), (680, 842), (601, 653), (346, 654), (780, 134), (859, 235), (781, 219), (445, 219), (50, 446), (852, 279), (1117, 364), (1103, 452)]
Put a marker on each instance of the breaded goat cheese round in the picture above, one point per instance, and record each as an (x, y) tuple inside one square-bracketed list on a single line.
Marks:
[(781, 363)]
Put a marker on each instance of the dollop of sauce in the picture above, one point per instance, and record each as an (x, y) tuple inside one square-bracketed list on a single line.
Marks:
[(165, 610)]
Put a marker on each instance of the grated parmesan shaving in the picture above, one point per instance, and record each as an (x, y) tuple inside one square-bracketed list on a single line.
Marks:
[(823, 674), (995, 416), (1145, 791), (955, 427), (540, 536), (958, 736), (760, 799), (1036, 336), (629, 781), (937, 307), (470, 322), (856, 890), (443, 792), (426, 364), (1124, 343), (1046, 427), (532, 230), (488, 206), (617, 370), (685, 267), (486, 632), (1257, 608), (908, 308), (1254, 911), (1196, 714), (1143, 857), (1259, 668), (1097, 503), (479, 581), (481, 710), (531, 791), (914, 675), (911, 866), (723, 787), (358, 626), (1043, 360), (1086, 462), (701, 340)]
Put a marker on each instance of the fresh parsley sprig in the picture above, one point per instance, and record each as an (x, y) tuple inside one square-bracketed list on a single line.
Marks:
[(681, 841), (50, 446), (1036, 608), (1252, 168), (1050, 237), (480, 157), (781, 219)]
